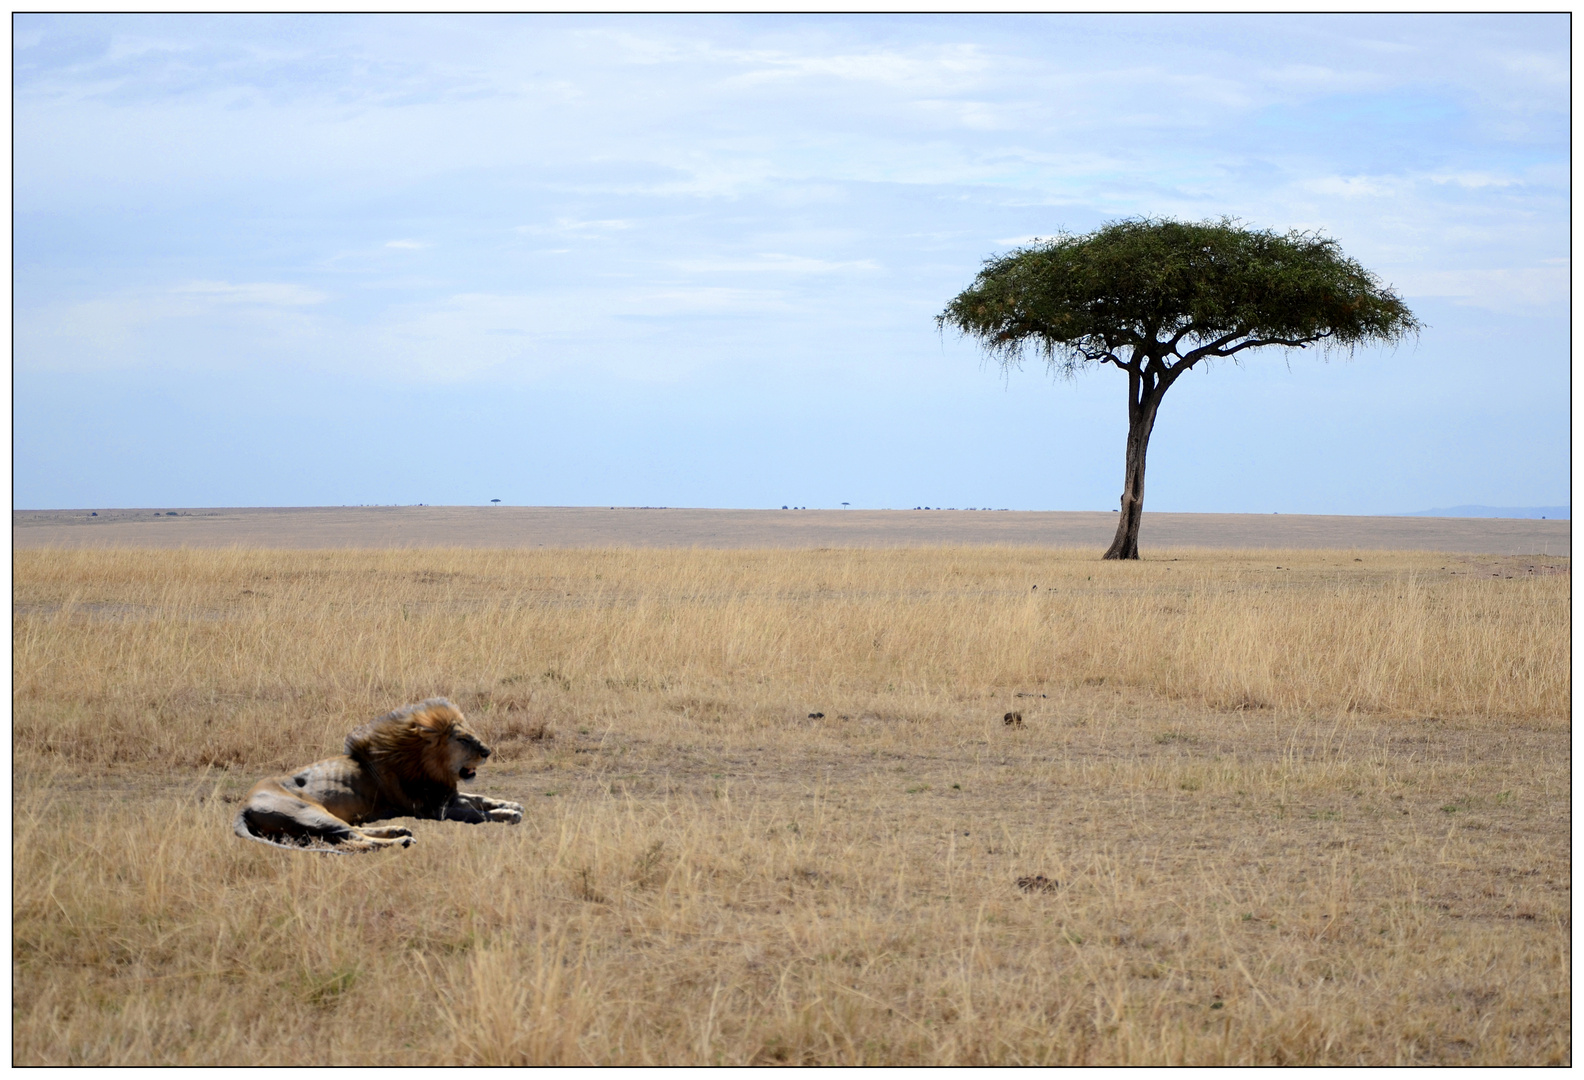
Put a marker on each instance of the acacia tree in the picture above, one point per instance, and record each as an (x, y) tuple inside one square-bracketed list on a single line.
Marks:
[(1154, 297)]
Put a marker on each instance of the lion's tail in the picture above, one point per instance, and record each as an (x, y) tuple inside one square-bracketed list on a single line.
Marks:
[(244, 828)]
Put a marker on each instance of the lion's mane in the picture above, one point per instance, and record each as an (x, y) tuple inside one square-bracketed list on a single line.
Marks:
[(405, 751)]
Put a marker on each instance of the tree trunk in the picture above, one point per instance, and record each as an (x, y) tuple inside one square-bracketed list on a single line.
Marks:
[(1143, 402)]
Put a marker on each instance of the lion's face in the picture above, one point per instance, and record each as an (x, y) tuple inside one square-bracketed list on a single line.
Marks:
[(464, 751), (453, 750)]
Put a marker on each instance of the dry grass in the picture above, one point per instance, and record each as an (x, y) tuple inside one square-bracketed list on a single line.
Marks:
[(1301, 807)]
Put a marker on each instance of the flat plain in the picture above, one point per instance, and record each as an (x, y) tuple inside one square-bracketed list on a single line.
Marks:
[(1259, 806), (583, 526)]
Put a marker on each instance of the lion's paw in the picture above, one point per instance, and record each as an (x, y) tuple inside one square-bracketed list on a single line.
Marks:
[(507, 813), (387, 832)]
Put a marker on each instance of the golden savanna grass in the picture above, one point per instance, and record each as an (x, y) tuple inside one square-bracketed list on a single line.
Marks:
[(1300, 807)]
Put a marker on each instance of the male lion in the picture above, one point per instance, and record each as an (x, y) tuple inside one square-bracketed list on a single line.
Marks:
[(405, 764)]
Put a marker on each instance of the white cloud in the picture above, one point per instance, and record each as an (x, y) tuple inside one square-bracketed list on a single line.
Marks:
[(268, 293), (1402, 184), (928, 65), (1354, 187), (928, 68), (574, 227), (775, 264), (702, 300), (461, 337), (517, 338), (206, 324), (1522, 288), (1474, 180), (979, 115)]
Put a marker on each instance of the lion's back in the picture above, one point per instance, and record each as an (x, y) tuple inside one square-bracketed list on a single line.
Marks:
[(339, 784)]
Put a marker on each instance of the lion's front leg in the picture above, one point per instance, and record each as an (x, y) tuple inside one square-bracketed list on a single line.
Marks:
[(480, 808), (385, 832), (500, 810), (376, 838)]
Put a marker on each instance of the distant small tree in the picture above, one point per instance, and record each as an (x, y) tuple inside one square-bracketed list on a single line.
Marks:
[(494, 500), (1154, 297)]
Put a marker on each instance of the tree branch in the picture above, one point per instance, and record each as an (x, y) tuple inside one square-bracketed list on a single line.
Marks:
[(1218, 348), (1254, 343), (1193, 356), (1191, 328)]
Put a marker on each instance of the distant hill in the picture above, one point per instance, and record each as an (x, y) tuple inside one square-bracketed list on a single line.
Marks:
[(1561, 512)]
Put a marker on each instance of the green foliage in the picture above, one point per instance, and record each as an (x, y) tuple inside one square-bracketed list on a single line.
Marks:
[(1158, 288)]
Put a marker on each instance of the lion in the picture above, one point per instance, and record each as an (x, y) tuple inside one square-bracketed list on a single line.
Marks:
[(405, 764)]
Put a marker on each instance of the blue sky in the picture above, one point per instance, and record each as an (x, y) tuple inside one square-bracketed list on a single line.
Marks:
[(632, 260)]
